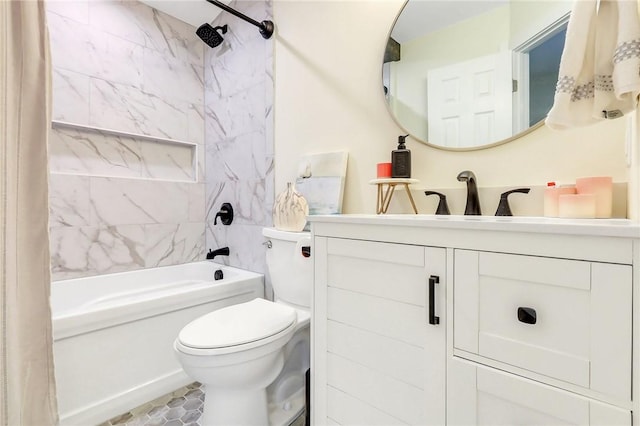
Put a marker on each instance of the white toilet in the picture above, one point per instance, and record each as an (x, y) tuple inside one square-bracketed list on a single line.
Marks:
[(252, 357)]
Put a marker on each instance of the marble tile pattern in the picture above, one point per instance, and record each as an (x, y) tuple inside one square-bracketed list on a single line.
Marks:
[(101, 225), (239, 157), (121, 203), (98, 153), (122, 65), (118, 204)]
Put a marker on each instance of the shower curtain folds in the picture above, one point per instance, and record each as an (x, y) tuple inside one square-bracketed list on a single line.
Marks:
[(27, 387)]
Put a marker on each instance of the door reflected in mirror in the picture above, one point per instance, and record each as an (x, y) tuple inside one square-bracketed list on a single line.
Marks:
[(472, 74)]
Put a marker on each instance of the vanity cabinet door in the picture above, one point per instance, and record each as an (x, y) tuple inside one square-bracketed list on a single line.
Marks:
[(384, 362), (478, 395), (565, 319)]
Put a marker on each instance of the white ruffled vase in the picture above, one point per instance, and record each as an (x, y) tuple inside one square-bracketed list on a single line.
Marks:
[(290, 210)]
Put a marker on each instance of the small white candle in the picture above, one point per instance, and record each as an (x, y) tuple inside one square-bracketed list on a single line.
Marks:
[(580, 206), (602, 189)]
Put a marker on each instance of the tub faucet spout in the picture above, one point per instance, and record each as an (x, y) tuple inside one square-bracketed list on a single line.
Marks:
[(473, 201), (224, 251)]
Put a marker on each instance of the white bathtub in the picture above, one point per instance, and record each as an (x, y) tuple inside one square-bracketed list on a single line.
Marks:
[(113, 334)]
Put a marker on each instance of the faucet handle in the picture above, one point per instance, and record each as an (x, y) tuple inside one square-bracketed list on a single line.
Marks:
[(503, 206), (225, 214), (443, 207)]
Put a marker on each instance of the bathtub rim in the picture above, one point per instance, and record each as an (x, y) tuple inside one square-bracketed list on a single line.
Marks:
[(70, 324)]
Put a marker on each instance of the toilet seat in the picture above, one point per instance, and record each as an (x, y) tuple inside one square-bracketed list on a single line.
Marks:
[(237, 328)]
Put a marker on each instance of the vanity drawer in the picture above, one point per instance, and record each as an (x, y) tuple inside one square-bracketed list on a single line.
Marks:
[(479, 395), (565, 319)]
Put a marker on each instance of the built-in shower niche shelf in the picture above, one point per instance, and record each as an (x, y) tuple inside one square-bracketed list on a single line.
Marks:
[(92, 151)]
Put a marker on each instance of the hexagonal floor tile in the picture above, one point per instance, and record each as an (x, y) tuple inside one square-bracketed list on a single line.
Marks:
[(178, 408)]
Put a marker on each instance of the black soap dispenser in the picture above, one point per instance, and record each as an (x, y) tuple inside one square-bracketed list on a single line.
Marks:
[(401, 160)]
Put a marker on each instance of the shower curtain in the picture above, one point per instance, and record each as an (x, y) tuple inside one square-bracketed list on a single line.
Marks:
[(27, 387)]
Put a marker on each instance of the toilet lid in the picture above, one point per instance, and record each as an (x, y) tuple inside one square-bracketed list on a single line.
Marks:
[(237, 325)]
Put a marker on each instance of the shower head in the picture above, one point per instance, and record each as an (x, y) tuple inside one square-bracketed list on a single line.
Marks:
[(210, 35), (266, 27)]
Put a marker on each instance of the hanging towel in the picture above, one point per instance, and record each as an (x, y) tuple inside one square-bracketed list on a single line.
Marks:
[(599, 74)]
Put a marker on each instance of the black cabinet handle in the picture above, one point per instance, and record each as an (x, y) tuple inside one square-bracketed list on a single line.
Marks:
[(433, 280), (527, 315)]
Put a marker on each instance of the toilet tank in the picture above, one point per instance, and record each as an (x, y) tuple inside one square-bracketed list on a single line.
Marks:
[(290, 270)]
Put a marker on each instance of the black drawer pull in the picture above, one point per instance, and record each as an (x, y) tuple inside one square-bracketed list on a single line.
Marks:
[(527, 315), (433, 319)]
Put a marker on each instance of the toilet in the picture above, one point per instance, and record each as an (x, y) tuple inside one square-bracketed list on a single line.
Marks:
[(252, 357)]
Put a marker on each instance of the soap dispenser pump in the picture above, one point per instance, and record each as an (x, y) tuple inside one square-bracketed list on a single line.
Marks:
[(401, 160)]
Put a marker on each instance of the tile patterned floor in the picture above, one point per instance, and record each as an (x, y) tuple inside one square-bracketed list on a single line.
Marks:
[(179, 408)]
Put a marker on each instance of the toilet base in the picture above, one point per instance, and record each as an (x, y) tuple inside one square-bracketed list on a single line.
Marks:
[(284, 413), (235, 408), (217, 405)]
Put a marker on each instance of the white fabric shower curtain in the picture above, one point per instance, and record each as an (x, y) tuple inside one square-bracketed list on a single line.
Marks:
[(27, 387)]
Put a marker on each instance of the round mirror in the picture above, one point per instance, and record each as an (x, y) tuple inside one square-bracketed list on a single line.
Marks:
[(465, 75)]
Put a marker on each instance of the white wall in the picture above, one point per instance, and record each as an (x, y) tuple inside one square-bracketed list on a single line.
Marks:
[(328, 96), (527, 17)]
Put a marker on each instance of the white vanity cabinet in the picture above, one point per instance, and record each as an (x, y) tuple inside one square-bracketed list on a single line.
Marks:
[(537, 321), (379, 328), (564, 319), (559, 321)]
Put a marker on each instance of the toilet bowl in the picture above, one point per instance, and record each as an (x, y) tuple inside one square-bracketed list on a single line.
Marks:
[(252, 357)]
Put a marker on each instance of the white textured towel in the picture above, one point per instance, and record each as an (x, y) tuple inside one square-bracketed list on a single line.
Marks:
[(599, 74)]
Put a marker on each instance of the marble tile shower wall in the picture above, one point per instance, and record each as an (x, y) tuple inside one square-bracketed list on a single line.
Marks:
[(239, 136), (122, 203)]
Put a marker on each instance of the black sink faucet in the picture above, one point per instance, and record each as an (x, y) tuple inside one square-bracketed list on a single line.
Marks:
[(473, 202), (223, 251), (503, 207)]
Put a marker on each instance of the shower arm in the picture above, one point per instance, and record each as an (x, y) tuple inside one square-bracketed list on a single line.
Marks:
[(266, 27)]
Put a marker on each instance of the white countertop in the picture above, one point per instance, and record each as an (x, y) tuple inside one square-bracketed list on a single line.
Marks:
[(594, 227)]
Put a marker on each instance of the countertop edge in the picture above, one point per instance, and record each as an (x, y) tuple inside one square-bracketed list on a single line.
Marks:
[(622, 228)]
